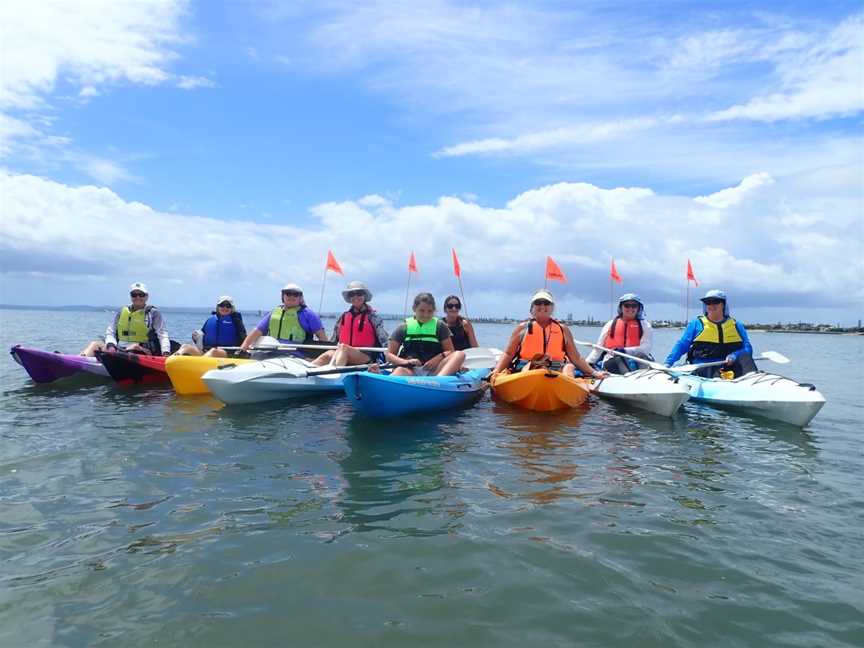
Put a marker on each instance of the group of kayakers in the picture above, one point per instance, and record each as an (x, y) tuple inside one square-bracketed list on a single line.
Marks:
[(427, 345)]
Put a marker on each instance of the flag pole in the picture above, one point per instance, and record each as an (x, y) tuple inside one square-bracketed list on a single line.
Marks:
[(407, 288), (323, 283), (687, 303), (462, 294), (611, 308)]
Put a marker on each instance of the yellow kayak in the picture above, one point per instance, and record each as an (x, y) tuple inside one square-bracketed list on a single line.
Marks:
[(540, 390), (185, 371)]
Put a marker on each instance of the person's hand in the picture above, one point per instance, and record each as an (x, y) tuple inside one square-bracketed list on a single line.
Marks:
[(110, 347), (411, 362), (600, 375), (433, 361), (730, 360)]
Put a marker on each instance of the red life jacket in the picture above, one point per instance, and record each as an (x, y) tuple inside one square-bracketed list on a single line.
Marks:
[(624, 334), (356, 329)]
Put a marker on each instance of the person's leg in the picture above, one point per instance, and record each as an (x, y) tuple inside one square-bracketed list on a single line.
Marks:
[(188, 349), (91, 349), (402, 371), (707, 372), (744, 365), (616, 365), (347, 355), (569, 369), (215, 352), (451, 363), (324, 358)]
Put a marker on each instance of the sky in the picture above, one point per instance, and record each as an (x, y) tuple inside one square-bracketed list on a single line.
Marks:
[(211, 148)]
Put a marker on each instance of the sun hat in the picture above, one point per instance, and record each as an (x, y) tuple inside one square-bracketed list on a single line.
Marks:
[(226, 298), (631, 297), (292, 286), (353, 286), (139, 286), (714, 294), (543, 294)]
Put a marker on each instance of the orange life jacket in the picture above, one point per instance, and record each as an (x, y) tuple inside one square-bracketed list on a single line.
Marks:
[(538, 339), (624, 334)]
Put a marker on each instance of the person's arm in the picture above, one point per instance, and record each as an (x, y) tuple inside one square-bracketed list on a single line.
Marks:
[(111, 331), (747, 348), (646, 342), (240, 326), (469, 331), (321, 334), (395, 360), (595, 354), (507, 357), (311, 323), (158, 324), (577, 360), (251, 338), (335, 337), (684, 343), (380, 331)]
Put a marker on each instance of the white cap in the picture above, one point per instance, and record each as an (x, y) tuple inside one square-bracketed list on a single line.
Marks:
[(139, 286), (292, 286), (226, 298), (543, 294)]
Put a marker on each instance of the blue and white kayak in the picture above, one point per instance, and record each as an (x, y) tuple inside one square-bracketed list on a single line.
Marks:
[(648, 389), (385, 395), (761, 394)]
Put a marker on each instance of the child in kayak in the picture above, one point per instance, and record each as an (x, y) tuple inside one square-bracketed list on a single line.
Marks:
[(224, 328), (359, 326), (137, 328), (629, 333), (422, 345), (461, 330), (544, 341)]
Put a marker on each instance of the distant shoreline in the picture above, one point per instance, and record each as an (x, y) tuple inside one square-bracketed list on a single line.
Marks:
[(659, 324)]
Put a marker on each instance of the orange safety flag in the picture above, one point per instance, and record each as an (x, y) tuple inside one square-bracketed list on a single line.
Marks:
[(412, 263), (333, 264), (457, 269), (553, 271), (690, 275), (613, 273)]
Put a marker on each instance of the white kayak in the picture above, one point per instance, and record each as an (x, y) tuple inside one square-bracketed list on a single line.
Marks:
[(648, 389), (272, 379), (761, 394)]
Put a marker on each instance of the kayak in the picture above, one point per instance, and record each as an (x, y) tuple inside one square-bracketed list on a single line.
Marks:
[(383, 395), (133, 368), (647, 389), (761, 394), (540, 390), (45, 366), (272, 379), (185, 371)]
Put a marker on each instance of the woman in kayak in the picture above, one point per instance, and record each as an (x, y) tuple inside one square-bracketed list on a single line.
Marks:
[(543, 341), (714, 336), (291, 321), (422, 345), (359, 326), (461, 330), (224, 328), (629, 333), (137, 328)]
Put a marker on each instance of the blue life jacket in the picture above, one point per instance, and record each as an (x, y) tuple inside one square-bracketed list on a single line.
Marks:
[(227, 330)]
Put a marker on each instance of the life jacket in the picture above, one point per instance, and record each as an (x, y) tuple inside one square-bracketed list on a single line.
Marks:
[(357, 329), (624, 333), (459, 335), (547, 340), (421, 340), (285, 325), (716, 341), (223, 331), (134, 326)]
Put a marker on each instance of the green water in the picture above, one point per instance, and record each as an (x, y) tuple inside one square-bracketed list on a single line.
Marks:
[(133, 517)]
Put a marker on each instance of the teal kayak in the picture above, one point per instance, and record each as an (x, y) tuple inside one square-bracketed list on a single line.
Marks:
[(385, 395)]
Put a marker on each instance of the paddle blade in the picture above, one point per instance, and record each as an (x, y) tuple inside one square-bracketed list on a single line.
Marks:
[(774, 356), (481, 358)]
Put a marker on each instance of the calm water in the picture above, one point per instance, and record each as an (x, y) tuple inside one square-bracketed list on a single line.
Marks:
[(133, 517)]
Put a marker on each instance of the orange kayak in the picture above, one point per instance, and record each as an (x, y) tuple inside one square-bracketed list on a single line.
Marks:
[(540, 390)]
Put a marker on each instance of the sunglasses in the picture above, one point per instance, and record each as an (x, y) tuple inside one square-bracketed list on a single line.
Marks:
[(356, 293), (542, 302), (225, 305), (711, 302), (291, 293), (137, 294), (452, 306), (630, 305)]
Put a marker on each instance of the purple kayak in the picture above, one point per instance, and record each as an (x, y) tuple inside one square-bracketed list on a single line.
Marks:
[(45, 366)]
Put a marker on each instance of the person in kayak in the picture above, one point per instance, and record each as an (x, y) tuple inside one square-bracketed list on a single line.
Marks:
[(291, 321), (137, 328), (713, 336), (628, 332), (461, 330), (224, 328), (359, 326), (422, 344), (544, 341)]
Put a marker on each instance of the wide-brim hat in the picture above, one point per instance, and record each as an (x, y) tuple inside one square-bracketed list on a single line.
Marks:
[(354, 286), (543, 294)]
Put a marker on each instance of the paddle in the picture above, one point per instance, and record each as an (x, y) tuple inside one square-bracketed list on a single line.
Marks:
[(481, 358), (302, 372), (771, 356)]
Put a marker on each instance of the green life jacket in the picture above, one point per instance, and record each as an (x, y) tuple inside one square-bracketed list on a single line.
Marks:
[(421, 340), (132, 326), (285, 325)]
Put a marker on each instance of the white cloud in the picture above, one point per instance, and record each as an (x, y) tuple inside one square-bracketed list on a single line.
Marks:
[(761, 249), (194, 82), (734, 196)]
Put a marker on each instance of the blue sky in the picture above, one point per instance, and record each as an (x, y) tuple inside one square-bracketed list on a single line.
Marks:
[(209, 148)]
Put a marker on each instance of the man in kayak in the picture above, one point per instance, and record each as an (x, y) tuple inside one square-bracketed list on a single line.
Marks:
[(714, 336), (291, 321), (422, 345), (137, 328), (629, 333), (359, 326), (224, 328), (543, 341), (461, 330)]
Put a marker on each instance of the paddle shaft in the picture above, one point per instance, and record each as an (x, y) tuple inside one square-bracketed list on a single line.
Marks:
[(321, 372)]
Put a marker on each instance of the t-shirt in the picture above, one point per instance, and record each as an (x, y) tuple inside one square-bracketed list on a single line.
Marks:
[(308, 319), (442, 332)]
